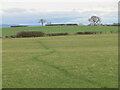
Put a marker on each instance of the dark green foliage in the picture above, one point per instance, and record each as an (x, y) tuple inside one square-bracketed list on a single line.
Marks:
[(12, 36), (86, 33), (57, 34), (6, 36), (30, 34)]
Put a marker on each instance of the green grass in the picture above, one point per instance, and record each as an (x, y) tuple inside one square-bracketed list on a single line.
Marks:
[(76, 61), (59, 29)]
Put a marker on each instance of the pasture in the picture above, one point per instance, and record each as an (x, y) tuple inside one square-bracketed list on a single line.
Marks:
[(59, 29), (74, 61)]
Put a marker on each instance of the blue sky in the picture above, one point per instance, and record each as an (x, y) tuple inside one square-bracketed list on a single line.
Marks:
[(25, 12)]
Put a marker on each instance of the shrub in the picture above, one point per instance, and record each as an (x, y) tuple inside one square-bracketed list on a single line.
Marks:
[(30, 34), (111, 31), (12, 36), (57, 34), (86, 33), (6, 36), (80, 33), (100, 32)]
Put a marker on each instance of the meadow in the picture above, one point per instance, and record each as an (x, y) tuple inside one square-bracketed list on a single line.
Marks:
[(74, 61), (59, 29)]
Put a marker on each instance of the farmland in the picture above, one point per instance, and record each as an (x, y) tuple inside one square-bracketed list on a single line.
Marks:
[(74, 61), (59, 29)]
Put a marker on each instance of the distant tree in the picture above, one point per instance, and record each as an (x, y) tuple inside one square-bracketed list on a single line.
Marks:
[(42, 21), (94, 20)]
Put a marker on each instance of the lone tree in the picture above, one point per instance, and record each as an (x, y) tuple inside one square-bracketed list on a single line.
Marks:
[(42, 21), (94, 20)]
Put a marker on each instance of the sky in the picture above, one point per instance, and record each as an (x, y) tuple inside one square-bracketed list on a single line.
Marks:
[(58, 11)]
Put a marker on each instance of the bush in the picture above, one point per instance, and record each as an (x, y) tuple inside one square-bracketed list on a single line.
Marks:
[(100, 32), (30, 34), (6, 36), (12, 36), (86, 33), (57, 34)]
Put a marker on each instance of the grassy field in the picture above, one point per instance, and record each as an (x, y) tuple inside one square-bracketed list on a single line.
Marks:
[(75, 61), (59, 29)]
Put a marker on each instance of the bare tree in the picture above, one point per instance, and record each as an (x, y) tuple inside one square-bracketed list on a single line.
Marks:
[(94, 20), (42, 21)]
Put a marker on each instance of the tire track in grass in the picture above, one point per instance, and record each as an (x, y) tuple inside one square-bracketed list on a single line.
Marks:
[(43, 45), (64, 71), (49, 53)]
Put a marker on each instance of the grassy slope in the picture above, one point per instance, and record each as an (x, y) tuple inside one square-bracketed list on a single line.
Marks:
[(59, 29), (65, 61)]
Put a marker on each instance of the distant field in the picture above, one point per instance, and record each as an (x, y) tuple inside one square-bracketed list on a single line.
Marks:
[(78, 61), (59, 29)]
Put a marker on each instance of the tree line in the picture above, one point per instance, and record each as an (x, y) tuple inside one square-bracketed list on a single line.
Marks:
[(94, 20)]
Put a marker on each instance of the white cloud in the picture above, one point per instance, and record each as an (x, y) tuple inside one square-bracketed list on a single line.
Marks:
[(61, 6), (58, 11), (14, 10), (60, 0)]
